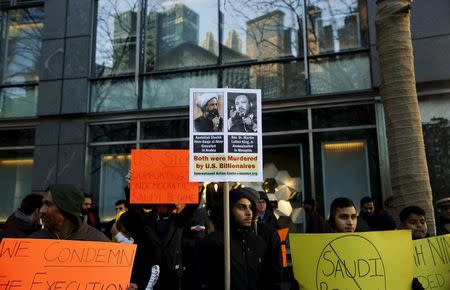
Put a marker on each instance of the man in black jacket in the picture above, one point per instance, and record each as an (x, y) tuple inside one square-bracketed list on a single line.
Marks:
[(25, 220), (249, 255)]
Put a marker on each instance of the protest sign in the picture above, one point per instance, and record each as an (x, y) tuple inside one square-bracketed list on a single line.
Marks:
[(225, 135), (282, 234), (369, 260), (432, 262), (161, 176), (61, 264)]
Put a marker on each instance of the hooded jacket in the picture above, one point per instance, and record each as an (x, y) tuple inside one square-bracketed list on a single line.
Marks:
[(248, 254)]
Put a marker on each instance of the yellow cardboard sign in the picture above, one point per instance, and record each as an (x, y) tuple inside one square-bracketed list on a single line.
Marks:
[(354, 261), (432, 262)]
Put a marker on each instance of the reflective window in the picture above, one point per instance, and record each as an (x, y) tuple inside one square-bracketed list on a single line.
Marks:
[(346, 155), (16, 166), (18, 101), (166, 145), (165, 129), (113, 95), (108, 166), (181, 34), (285, 121), (435, 116), (20, 49), (112, 132), (340, 73), (115, 51), (343, 116), (276, 80), (233, 43), (170, 90), (21, 39), (21, 137), (284, 183), (336, 25), (256, 29)]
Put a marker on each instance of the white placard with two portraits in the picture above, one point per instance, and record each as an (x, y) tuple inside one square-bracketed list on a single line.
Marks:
[(225, 138)]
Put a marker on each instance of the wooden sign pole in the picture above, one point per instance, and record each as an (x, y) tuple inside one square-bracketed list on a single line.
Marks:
[(226, 233)]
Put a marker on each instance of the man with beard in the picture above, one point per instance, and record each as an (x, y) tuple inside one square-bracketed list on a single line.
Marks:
[(88, 212), (242, 118), (61, 215), (210, 120)]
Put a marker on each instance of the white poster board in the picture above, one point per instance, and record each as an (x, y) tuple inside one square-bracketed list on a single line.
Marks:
[(225, 140)]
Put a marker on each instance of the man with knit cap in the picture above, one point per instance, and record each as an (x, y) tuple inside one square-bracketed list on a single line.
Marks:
[(210, 120), (61, 216)]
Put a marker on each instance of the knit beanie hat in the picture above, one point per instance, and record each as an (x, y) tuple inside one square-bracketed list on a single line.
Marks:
[(244, 192), (68, 199)]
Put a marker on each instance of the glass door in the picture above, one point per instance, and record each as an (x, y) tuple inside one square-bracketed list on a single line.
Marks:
[(345, 170)]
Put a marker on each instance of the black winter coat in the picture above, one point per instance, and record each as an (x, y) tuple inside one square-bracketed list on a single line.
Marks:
[(248, 262), (18, 226)]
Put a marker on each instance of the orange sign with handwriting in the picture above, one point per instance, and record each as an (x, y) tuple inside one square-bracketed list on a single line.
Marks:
[(61, 264), (161, 176)]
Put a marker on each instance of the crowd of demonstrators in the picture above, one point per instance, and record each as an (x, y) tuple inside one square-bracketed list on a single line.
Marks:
[(344, 217), (181, 246)]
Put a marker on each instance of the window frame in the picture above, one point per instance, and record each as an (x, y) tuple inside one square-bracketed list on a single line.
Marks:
[(18, 148), (6, 7)]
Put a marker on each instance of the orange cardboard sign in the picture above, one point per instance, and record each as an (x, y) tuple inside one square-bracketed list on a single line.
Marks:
[(282, 233), (161, 176), (61, 264)]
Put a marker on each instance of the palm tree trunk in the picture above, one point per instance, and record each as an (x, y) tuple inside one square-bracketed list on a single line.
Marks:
[(409, 170)]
